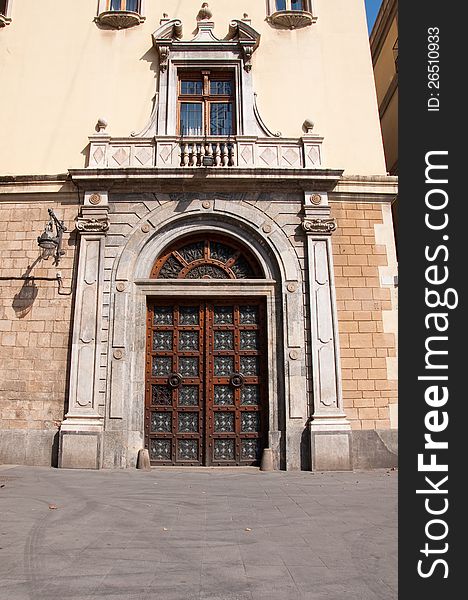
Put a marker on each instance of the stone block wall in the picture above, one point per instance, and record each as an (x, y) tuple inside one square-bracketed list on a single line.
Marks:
[(365, 266), (34, 325)]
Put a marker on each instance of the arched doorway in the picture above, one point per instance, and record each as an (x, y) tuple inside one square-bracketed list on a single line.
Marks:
[(206, 361)]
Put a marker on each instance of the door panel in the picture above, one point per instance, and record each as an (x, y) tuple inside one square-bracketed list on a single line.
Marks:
[(174, 391), (205, 388)]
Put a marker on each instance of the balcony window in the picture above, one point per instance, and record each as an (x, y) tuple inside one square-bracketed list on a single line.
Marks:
[(128, 5), (290, 14), (206, 104), (290, 5), (120, 14)]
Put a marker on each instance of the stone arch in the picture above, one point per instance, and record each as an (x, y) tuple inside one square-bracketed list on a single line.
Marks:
[(259, 231), (282, 288)]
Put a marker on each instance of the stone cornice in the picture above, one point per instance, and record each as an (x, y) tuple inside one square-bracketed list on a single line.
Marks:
[(378, 188), (241, 37), (209, 178)]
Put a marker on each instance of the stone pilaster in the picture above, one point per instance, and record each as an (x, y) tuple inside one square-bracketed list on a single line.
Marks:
[(330, 430), (81, 431)]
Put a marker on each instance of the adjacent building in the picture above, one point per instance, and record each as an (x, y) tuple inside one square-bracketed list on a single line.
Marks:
[(384, 48), (197, 252)]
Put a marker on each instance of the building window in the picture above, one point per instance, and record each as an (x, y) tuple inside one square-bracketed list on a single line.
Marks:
[(120, 14), (129, 5), (290, 5), (5, 12), (290, 14), (206, 104)]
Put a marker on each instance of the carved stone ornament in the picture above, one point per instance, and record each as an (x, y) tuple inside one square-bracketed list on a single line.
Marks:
[(120, 19), (95, 199), (319, 226), (291, 19), (85, 225), (204, 14), (163, 57), (316, 199), (248, 40), (118, 354), (163, 38), (294, 354)]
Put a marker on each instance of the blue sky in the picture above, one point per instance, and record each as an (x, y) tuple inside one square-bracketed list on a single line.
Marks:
[(372, 8)]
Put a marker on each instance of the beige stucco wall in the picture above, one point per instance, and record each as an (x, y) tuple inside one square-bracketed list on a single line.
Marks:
[(60, 72)]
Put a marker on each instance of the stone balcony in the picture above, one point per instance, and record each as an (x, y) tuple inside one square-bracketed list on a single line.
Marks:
[(242, 152)]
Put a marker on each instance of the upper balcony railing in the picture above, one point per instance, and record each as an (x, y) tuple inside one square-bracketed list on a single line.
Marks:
[(190, 153)]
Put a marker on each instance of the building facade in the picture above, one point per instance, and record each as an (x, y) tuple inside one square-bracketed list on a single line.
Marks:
[(384, 49), (197, 252)]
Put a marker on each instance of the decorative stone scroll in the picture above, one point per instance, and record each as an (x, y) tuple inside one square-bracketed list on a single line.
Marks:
[(319, 226), (86, 225), (169, 31)]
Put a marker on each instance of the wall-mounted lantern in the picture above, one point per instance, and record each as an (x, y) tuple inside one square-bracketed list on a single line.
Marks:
[(50, 244)]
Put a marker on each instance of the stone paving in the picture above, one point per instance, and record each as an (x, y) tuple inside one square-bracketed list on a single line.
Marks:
[(197, 534)]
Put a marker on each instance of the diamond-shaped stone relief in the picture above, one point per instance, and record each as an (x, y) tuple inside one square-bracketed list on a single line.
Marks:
[(314, 155), (268, 156), (98, 155), (165, 153), (143, 155), (120, 156), (247, 155), (291, 156)]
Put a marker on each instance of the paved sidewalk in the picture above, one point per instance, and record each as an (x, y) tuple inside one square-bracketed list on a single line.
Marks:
[(215, 534)]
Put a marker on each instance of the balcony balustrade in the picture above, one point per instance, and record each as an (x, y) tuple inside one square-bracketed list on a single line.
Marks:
[(243, 152)]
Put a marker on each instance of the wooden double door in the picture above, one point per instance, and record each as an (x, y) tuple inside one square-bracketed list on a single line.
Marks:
[(206, 387)]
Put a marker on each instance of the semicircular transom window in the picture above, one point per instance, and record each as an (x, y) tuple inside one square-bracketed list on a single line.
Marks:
[(206, 258)]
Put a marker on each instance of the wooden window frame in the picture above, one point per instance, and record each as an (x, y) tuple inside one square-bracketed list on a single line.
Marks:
[(206, 98), (124, 7), (306, 6)]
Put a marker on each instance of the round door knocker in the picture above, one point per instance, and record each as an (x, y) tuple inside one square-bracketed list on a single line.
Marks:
[(237, 380), (174, 380)]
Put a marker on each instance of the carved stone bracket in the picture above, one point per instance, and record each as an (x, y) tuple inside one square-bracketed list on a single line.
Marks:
[(120, 19), (319, 226), (291, 19)]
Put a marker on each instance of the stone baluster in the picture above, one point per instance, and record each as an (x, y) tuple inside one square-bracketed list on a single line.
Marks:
[(202, 153), (225, 154), (209, 149), (217, 152), (232, 155), (193, 155), (185, 155)]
